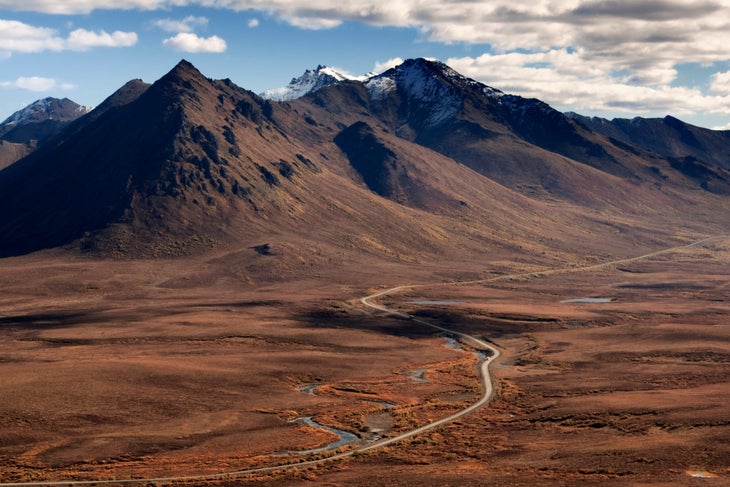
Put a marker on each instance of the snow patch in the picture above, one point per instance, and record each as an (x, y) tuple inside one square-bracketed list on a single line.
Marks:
[(491, 92), (380, 87)]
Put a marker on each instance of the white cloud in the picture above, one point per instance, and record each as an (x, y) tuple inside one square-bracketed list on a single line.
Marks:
[(311, 23), (569, 80), (86, 6), (253, 23), (721, 83), (722, 127), (20, 37), (188, 24), (386, 65), (35, 83), (188, 42), (82, 40)]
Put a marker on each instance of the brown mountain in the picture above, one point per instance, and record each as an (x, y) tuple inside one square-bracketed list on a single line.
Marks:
[(408, 166)]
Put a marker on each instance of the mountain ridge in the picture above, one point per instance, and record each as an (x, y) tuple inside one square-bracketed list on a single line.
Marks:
[(667, 136)]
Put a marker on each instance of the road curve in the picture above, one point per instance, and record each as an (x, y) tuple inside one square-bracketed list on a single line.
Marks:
[(487, 393), (367, 301)]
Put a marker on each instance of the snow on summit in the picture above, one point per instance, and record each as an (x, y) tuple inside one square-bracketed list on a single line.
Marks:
[(431, 84), (311, 81), (62, 110)]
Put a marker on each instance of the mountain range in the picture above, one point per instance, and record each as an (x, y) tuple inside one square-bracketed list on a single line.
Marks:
[(409, 165)]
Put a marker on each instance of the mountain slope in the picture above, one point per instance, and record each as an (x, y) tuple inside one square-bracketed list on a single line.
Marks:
[(497, 134), (699, 154), (164, 171), (11, 152)]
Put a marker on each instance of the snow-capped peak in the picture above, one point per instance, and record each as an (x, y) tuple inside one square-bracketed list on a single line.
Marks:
[(61, 110), (311, 81), (326, 70), (431, 84)]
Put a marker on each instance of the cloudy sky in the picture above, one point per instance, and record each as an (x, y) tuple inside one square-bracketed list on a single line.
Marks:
[(611, 58)]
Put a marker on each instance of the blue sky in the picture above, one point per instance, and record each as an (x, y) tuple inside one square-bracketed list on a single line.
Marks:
[(612, 58)]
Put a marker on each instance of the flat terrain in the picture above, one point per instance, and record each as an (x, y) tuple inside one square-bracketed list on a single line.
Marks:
[(120, 369)]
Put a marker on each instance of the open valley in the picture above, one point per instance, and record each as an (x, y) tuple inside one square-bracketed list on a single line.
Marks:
[(134, 369)]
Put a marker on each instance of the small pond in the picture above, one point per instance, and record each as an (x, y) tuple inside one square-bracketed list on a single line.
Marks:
[(309, 389)]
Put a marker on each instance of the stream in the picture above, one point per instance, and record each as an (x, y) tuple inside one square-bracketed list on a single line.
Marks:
[(345, 437)]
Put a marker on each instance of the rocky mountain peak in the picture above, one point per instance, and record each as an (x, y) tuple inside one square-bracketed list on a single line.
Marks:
[(185, 69), (183, 78)]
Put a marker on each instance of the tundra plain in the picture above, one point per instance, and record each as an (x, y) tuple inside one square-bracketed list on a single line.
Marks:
[(121, 369)]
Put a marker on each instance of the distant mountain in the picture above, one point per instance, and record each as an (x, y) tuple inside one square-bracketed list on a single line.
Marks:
[(409, 165), (62, 110), (666, 136), (312, 80), (26, 129), (40, 120)]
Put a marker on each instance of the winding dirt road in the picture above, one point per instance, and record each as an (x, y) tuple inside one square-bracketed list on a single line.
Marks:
[(368, 301)]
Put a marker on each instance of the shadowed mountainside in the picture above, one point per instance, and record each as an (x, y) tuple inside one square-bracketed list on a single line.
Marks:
[(666, 136)]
